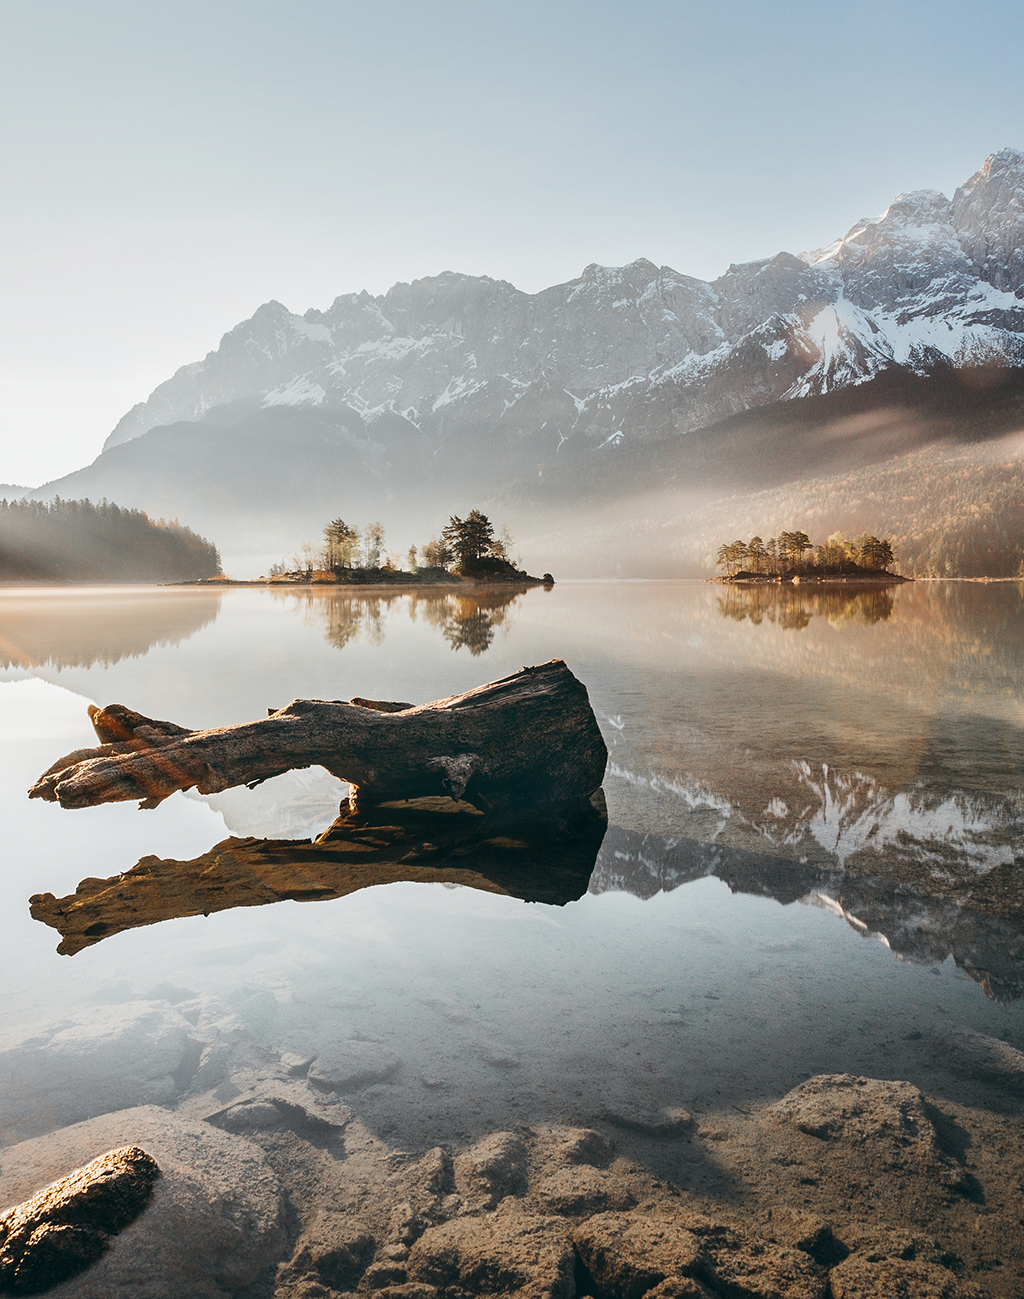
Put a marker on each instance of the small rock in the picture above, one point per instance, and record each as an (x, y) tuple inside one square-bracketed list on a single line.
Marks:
[(247, 1116), (430, 1177), (295, 1065), (334, 1249), (64, 1228), (856, 1278), (670, 1121), (379, 1276), (580, 1146), (490, 1170), (503, 1254), (987, 1058), (754, 1269), (583, 1190), (351, 1065), (840, 1107), (628, 1255)]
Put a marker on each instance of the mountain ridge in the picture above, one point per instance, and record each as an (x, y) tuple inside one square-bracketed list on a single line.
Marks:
[(930, 281)]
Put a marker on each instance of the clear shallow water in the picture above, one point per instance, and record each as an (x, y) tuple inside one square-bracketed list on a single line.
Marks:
[(813, 864)]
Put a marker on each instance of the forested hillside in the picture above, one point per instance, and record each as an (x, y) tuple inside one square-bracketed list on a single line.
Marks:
[(949, 511), (76, 541)]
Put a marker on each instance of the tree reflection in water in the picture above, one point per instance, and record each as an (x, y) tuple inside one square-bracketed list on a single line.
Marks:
[(465, 621), (793, 607), (69, 627)]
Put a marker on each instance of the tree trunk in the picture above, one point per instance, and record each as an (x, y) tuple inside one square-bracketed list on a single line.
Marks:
[(519, 746)]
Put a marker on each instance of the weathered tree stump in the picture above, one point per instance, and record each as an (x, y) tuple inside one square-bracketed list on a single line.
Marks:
[(521, 745), (425, 842), (66, 1227)]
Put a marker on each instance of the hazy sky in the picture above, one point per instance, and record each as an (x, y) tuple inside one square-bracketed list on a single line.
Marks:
[(167, 167)]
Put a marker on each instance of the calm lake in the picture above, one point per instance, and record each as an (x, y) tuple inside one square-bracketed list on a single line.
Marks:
[(814, 861)]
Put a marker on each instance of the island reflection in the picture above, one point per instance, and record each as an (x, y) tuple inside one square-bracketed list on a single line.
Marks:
[(793, 607), (465, 621)]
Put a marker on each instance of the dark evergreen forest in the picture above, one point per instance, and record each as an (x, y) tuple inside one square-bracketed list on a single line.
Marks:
[(77, 541)]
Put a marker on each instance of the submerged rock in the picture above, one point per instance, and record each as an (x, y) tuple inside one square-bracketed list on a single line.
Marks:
[(335, 1248), (987, 1058), (97, 1061), (628, 1256), (503, 1253), (351, 1065), (839, 1107), (490, 1170), (859, 1278), (583, 1190)]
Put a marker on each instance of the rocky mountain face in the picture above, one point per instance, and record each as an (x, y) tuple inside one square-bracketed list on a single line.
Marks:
[(625, 351), (468, 386)]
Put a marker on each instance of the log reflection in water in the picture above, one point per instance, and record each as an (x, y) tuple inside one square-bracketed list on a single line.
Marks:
[(793, 607), (465, 620), (427, 841)]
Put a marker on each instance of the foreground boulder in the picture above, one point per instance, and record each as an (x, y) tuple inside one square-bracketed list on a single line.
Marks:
[(64, 1228), (213, 1224)]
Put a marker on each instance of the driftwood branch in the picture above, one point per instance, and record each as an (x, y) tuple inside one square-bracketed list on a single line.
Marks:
[(429, 841), (520, 745)]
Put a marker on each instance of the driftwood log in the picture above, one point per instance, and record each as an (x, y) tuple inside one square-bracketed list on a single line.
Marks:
[(519, 746), (427, 841)]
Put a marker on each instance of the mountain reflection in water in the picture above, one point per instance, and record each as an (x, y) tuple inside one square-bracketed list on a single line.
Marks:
[(793, 607), (978, 919), (465, 621), (58, 627)]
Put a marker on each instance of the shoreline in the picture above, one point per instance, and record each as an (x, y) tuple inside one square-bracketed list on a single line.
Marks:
[(829, 579), (404, 587)]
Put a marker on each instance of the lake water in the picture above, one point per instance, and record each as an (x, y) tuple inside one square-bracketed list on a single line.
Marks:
[(814, 861)]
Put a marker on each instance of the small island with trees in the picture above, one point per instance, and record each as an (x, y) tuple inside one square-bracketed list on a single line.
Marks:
[(793, 557), (467, 550)]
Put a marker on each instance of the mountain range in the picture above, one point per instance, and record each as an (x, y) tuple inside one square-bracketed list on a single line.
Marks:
[(458, 390)]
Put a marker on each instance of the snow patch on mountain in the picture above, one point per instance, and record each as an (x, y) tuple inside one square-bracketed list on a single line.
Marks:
[(301, 391)]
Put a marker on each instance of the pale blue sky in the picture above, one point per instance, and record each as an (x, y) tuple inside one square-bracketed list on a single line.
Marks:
[(168, 167)]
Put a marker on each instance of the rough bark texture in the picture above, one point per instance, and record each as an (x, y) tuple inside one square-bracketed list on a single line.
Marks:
[(520, 744), (65, 1228), (547, 861)]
